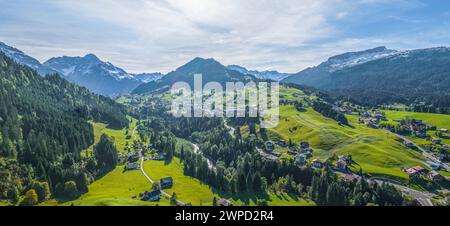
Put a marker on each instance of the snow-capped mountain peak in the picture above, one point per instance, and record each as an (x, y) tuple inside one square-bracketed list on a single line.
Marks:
[(273, 75), (355, 58)]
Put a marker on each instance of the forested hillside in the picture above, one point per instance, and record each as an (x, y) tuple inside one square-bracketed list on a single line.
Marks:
[(44, 127), (418, 77)]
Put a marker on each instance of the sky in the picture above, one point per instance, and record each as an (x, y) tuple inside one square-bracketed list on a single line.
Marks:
[(161, 35)]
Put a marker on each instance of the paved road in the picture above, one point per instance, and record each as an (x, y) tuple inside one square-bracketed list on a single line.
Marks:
[(426, 154), (424, 198)]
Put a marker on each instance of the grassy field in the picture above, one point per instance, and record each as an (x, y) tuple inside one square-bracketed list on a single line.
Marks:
[(117, 189), (375, 151), (191, 190), (188, 189), (118, 136)]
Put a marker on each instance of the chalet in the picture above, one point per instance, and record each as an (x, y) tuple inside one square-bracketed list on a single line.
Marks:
[(132, 166), (430, 127), (166, 183), (416, 171), (304, 145), (418, 125), (348, 177), (133, 157), (444, 130), (153, 196), (316, 163), (342, 164), (300, 159), (269, 146), (160, 157), (276, 154), (435, 176), (282, 143), (224, 202), (409, 144), (421, 134), (433, 165), (436, 141)]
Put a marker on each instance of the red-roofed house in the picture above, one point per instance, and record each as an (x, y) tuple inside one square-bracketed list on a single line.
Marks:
[(416, 171)]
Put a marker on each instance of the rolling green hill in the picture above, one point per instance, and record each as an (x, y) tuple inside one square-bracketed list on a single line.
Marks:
[(375, 151)]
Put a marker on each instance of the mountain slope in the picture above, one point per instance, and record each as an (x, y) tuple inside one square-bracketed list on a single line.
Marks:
[(44, 127), (21, 58), (314, 76), (389, 76), (211, 70), (98, 76), (272, 75)]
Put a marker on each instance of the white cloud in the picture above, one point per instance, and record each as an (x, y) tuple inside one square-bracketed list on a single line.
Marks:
[(165, 34)]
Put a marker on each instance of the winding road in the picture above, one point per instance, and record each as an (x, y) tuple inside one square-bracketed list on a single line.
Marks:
[(147, 176), (426, 154), (152, 181)]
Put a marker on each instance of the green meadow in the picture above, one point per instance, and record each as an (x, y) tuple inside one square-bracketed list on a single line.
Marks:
[(191, 190), (375, 151), (117, 189)]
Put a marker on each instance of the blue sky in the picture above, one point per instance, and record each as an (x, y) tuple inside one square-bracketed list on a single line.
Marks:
[(160, 35)]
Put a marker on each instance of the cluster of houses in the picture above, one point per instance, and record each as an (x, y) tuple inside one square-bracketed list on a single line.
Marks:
[(418, 128), (372, 120), (305, 152), (343, 109), (444, 133), (343, 163), (419, 171), (223, 202), (155, 196), (269, 148), (131, 161)]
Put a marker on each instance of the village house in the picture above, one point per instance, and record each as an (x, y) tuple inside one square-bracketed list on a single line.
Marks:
[(342, 163), (153, 196), (416, 171), (304, 145), (269, 146), (436, 141), (224, 202), (347, 177), (316, 163), (433, 165), (133, 157), (160, 157), (132, 166), (166, 183), (282, 143), (435, 176), (276, 154), (300, 159)]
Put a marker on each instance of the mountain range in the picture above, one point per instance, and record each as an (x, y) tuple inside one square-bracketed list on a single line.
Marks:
[(272, 75), (212, 71), (374, 76), (89, 71)]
